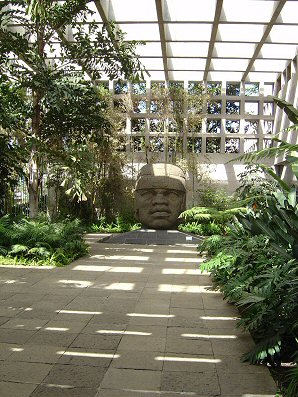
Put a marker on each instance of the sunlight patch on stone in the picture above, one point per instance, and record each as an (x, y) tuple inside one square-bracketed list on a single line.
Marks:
[(191, 260), (173, 251), (56, 329), (191, 272), (126, 269), (121, 257), (121, 286), (194, 289), (122, 332), (76, 312), (112, 269), (150, 315), (188, 359), (95, 355), (92, 268), (219, 318), (209, 336), (77, 283)]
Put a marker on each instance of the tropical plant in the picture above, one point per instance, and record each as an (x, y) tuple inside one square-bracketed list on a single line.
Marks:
[(41, 242), (119, 225), (252, 183), (256, 266), (51, 86), (253, 275), (282, 148), (203, 229), (211, 220)]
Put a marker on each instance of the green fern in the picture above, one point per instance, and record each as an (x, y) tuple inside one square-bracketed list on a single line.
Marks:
[(19, 249), (264, 351), (3, 251), (292, 378)]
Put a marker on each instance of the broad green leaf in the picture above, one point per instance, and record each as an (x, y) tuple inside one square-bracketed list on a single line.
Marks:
[(280, 223), (288, 108), (269, 171), (280, 197), (285, 237), (280, 250), (265, 229), (290, 217), (292, 196)]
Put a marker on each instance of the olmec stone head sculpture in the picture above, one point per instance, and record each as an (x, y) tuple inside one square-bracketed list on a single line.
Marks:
[(160, 195)]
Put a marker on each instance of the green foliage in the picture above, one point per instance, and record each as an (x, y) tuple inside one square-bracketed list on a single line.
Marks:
[(251, 272), (207, 221), (120, 225), (252, 183), (13, 111), (215, 198), (256, 264), (40, 242), (263, 284), (58, 109), (278, 219), (203, 229)]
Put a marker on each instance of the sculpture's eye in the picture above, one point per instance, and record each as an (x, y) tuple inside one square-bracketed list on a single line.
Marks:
[(146, 194), (173, 193)]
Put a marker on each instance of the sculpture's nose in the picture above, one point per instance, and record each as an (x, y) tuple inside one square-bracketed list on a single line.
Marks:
[(160, 198)]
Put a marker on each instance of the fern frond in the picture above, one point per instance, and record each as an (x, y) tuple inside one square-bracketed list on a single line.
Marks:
[(264, 350), (288, 108), (19, 249), (285, 148), (3, 251), (292, 378)]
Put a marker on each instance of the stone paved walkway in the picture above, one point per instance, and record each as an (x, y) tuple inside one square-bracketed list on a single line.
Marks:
[(128, 321)]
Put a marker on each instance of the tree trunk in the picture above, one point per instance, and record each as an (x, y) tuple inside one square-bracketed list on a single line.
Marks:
[(34, 163), (53, 197), (33, 186)]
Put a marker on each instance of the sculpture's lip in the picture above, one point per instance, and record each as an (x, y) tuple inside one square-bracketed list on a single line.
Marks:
[(160, 213)]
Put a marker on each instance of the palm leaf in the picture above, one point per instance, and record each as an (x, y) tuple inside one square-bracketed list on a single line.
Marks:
[(264, 229), (288, 108), (267, 153), (18, 249), (292, 378), (3, 251), (266, 348), (270, 171)]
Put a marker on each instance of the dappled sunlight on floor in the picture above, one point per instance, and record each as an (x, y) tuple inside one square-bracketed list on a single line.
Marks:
[(126, 321)]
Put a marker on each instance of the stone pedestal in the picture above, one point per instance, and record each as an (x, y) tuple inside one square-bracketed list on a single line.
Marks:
[(153, 237)]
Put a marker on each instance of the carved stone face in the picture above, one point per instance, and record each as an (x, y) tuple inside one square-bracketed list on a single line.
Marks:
[(160, 196)]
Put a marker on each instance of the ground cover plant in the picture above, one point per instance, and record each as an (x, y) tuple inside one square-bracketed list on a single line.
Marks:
[(256, 267), (217, 211), (119, 225), (40, 242), (262, 281)]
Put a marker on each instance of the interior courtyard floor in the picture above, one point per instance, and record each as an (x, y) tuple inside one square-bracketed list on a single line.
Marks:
[(124, 321)]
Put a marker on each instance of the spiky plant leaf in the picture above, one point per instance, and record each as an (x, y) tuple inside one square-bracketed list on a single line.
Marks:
[(264, 350), (292, 378), (3, 251), (264, 228), (39, 251), (288, 108), (19, 249)]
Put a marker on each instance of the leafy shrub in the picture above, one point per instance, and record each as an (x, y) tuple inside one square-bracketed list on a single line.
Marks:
[(41, 242), (207, 221), (120, 225), (251, 273), (215, 198), (203, 229)]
